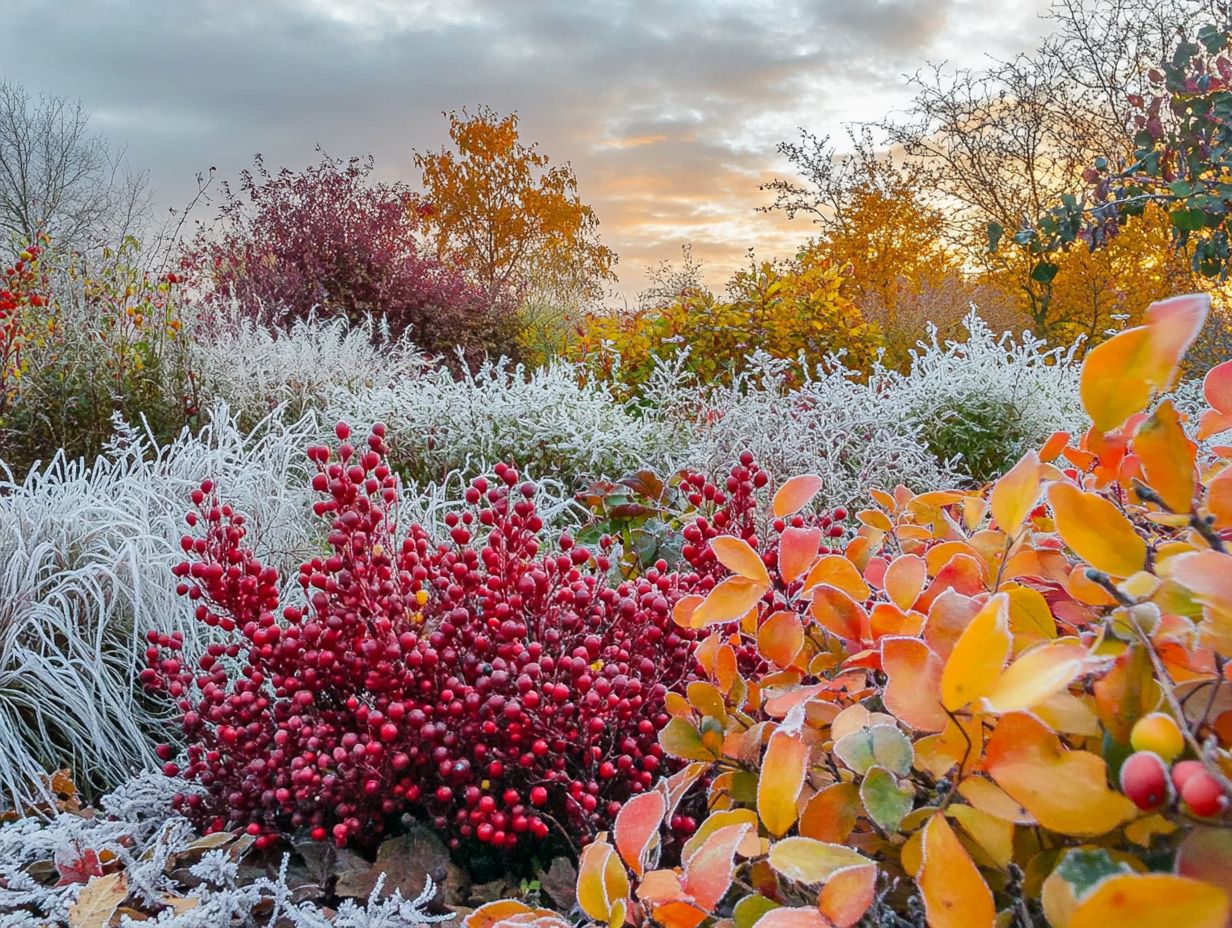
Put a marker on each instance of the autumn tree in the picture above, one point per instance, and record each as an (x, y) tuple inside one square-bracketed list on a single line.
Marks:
[(874, 221), (511, 218)]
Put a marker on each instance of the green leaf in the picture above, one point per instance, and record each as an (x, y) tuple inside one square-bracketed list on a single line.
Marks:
[(886, 800), (995, 231), (749, 909), (680, 738), (1083, 869), (880, 745), (1188, 220), (1044, 272)]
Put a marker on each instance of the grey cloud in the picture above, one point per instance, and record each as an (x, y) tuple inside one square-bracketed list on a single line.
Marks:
[(669, 111)]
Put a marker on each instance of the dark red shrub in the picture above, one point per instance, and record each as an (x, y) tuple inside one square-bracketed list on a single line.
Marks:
[(330, 239), (497, 689)]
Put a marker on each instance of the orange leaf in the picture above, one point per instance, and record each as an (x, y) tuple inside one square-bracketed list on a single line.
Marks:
[(795, 494), (949, 614), (1217, 388), (636, 830), (913, 688), (786, 917), (738, 556), (797, 551), (831, 814), (1219, 498), (493, 913), (782, 776), (955, 895), (1066, 790), (730, 600), (837, 571), (978, 656), (1120, 375), (1015, 495), (904, 579), (1167, 457), (780, 638), (1052, 447), (848, 895), (1096, 530), (1208, 577), (1152, 900), (840, 614), (708, 873)]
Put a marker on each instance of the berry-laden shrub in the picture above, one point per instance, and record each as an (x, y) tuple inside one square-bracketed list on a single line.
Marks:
[(499, 687), (1004, 707)]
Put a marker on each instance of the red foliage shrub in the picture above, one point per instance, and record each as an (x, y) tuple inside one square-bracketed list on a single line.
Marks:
[(329, 239), (493, 686)]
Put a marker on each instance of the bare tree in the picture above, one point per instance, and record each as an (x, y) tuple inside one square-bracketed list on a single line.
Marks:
[(60, 178)]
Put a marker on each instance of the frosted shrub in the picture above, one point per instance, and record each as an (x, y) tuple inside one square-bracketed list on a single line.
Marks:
[(256, 369), (832, 426), (541, 420), (984, 400)]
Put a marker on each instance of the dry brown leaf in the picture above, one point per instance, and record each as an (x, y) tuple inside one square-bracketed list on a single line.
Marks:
[(98, 901)]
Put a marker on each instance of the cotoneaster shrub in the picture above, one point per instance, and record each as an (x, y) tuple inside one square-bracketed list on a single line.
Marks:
[(993, 707), (498, 686)]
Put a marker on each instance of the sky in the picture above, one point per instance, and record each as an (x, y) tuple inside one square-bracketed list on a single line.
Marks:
[(668, 111)]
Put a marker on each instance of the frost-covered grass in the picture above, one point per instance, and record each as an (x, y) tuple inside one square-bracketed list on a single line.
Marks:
[(255, 369)]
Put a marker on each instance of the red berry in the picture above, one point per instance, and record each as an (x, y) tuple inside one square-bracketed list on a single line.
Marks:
[(1203, 794), (1144, 779)]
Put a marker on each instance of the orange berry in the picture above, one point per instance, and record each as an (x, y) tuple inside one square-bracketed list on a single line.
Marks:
[(1158, 733)]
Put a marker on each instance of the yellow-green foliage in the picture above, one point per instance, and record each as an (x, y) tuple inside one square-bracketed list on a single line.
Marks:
[(784, 310)]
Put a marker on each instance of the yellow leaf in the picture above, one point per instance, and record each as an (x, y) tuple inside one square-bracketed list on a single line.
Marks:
[(1036, 676), (1096, 530), (978, 656), (738, 556), (1120, 375), (1167, 457), (727, 602), (810, 861), (1152, 900), (795, 494), (782, 776), (1015, 495), (994, 835), (1066, 790), (955, 894)]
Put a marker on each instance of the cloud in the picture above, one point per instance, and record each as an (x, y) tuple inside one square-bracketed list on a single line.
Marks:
[(669, 112)]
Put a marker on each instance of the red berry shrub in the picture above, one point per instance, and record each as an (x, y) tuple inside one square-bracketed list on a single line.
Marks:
[(494, 687), (327, 239)]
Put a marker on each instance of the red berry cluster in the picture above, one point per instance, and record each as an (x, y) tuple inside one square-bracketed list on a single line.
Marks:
[(737, 508), (497, 688)]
